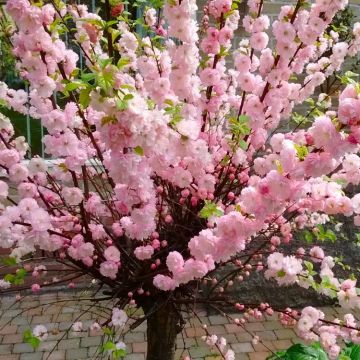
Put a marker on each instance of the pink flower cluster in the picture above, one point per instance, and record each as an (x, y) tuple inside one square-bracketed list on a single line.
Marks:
[(168, 163)]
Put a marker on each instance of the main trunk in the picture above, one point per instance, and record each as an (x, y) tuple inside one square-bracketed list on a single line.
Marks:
[(162, 329)]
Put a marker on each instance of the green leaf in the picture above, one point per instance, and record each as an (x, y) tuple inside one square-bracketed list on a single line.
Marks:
[(226, 160), (239, 125), (169, 102), (108, 331), (243, 144), (8, 261), (106, 120), (128, 97), (88, 76), (84, 97), (352, 351), (344, 357), (21, 273), (10, 278), (119, 353), (139, 150), (123, 62), (308, 236), (127, 86), (301, 151), (309, 266), (121, 104), (210, 209), (109, 346), (303, 352), (330, 235), (73, 85), (30, 339)]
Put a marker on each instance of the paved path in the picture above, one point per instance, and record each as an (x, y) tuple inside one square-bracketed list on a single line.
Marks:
[(59, 310)]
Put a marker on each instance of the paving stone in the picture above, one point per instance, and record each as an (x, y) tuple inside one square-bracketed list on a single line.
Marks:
[(92, 351), (217, 329), (8, 329), (22, 348), (69, 344), (65, 326), (29, 304), (12, 339), (244, 336), (12, 313), (67, 310), (272, 325), (195, 332), (255, 327), (55, 334), (43, 319), (133, 337), (233, 328), (74, 354), (264, 346), (135, 357), (282, 344), (199, 351), (91, 341), (6, 348), (266, 335), (218, 320), (77, 334), (285, 334), (242, 356), (22, 328), (34, 311), (55, 355), (10, 357), (139, 347), (22, 320), (58, 318), (245, 347), (184, 343), (31, 356), (62, 318), (259, 356), (47, 345)]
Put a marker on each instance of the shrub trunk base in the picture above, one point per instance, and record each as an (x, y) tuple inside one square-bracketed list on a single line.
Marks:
[(162, 329)]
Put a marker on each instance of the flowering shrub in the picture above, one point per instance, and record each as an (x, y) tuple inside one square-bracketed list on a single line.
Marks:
[(169, 163)]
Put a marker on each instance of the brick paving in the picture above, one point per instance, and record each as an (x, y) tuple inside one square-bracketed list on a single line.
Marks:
[(57, 311)]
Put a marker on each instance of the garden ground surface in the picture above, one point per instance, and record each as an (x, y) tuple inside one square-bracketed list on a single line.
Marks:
[(60, 309)]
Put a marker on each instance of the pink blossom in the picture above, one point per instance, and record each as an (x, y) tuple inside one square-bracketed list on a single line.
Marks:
[(144, 252), (317, 254), (112, 254), (225, 35), (77, 326), (259, 40), (174, 262), (210, 77), (73, 195), (41, 332), (119, 317), (109, 269), (349, 110), (210, 46), (164, 283)]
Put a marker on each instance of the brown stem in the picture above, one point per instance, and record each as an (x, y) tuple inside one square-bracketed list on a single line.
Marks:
[(163, 325)]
